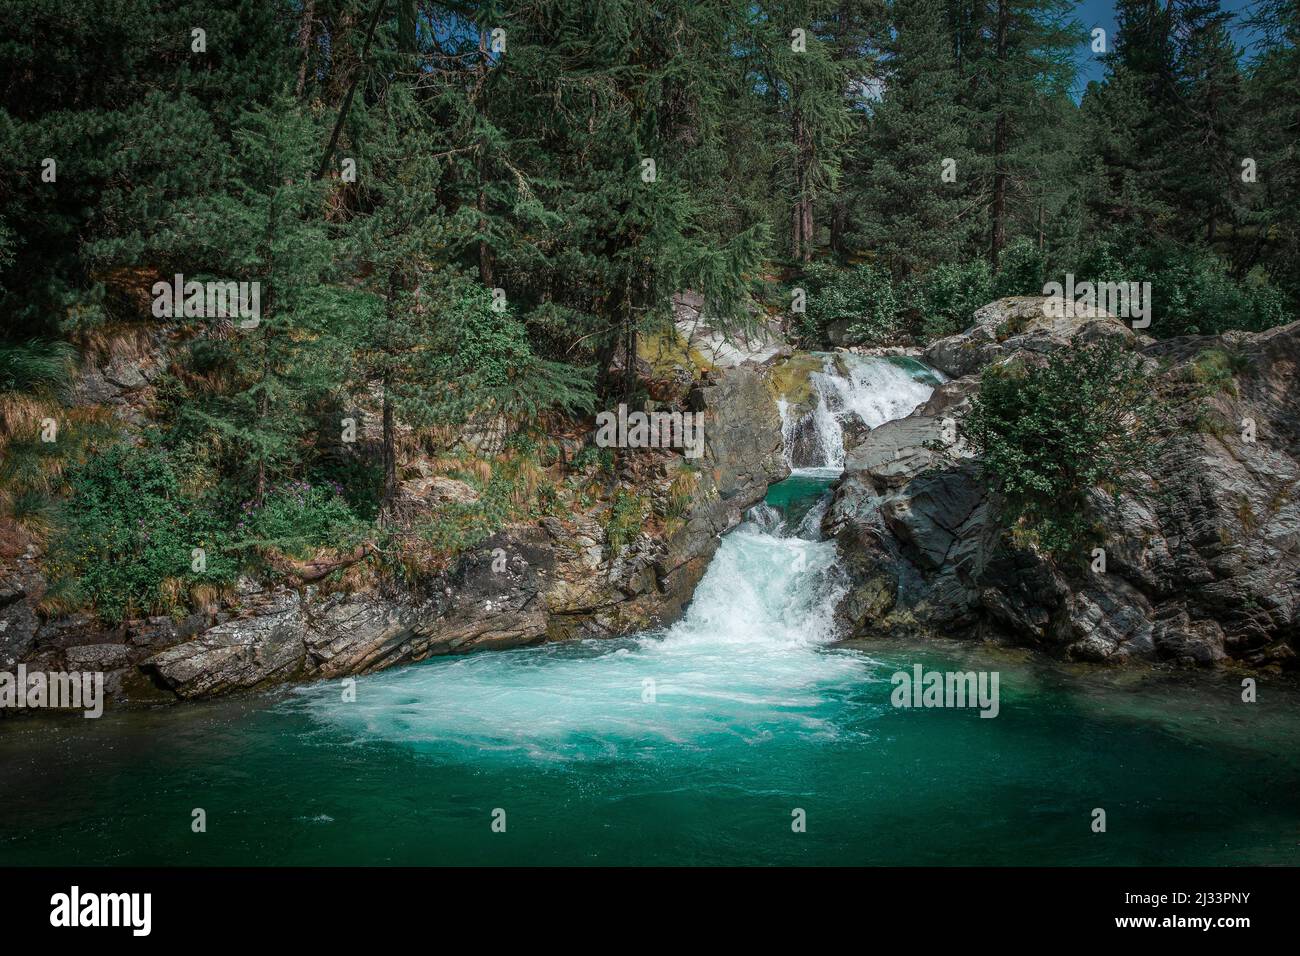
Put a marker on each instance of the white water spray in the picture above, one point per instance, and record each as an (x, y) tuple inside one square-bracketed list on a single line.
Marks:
[(748, 660), (851, 391)]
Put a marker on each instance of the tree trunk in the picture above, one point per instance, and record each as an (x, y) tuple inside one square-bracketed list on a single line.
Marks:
[(998, 232), (389, 454), (304, 42), (839, 222), (801, 213), (480, 168), (807, 229), (347, 98)]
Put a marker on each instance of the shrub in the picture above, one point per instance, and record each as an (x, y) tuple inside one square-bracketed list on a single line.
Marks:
[(1046, 435), (127, 539), (864, 296), (1021, 270), (297, 517), (1191, 290), (626, 515), (35, 366), (949, 295)]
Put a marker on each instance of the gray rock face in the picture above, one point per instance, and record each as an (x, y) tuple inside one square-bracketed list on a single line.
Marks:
[(897, 451), (723, 348), (1202, 557), (1020, 324), (237, 655)]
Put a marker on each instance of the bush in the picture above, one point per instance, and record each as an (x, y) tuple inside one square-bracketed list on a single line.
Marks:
[(1191, 290), (627, 513), (127, 539), (864, 296), (297, 517), (1046, 435), (1021, 270), (949, 295), (36, 366)]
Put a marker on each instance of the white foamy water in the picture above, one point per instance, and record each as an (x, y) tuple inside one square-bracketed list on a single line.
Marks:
[(747, 660), (874, 391)]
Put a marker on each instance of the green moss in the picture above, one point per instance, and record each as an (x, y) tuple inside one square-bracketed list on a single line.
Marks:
[(790, 379)]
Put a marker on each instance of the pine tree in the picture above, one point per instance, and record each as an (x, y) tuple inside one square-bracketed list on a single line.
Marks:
[(1130, 128), (260, 380), (1269, 206), (620, 105), (913, 205), (1211, 99), (1028, 68), (805, 85)]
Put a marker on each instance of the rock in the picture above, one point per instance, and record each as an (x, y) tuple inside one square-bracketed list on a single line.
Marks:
[(18, 628), (1020, 323), (720, 346), (898, 451), (422, 495), (124, 374), (97, 657), (1201, 555), (249, 652)]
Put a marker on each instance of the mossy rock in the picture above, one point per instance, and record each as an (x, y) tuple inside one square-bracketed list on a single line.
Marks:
[(791, 379), (666, 351)]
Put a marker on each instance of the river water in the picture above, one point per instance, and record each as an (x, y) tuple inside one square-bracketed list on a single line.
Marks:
[(699, 743)]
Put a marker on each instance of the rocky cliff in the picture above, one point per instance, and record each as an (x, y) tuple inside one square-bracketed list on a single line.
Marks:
[(559, 578), (1202, 558)]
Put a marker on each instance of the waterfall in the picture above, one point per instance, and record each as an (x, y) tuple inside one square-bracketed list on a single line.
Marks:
[(748, 661), (850, 393)]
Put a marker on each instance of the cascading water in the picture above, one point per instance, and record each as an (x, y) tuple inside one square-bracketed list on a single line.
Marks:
[(851, 392), (694, 744), (748, 657)]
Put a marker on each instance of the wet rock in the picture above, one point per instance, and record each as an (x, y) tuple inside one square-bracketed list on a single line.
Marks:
[(1201, 554), (262, 649)]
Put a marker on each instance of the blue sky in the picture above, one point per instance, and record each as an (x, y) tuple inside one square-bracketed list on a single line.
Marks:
[(1101, 13)]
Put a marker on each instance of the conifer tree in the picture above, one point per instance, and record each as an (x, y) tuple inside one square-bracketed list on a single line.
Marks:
[(913, 204), (269, 370)]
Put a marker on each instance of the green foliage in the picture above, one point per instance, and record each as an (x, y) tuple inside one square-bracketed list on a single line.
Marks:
[(592, 455), (1046, 435), (1021, 270), (627, 513), (296, 517), (1216, 369), (947, 297), (129, 528), (863, 297), (1192, 291), (459, 526)]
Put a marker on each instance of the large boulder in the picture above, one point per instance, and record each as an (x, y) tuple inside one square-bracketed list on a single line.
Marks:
[(1199, 559), (1021, 324), (722, 346)]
